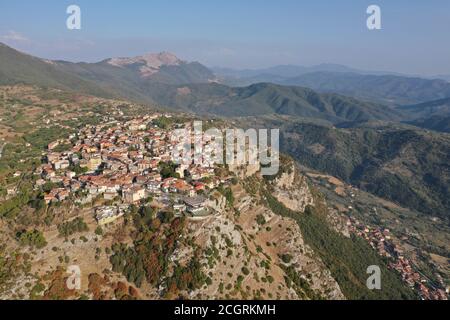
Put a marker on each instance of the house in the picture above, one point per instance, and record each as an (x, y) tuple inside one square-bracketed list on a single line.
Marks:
[(75, 185), (75, 159), (195, 205), (198, 186), (49, 198), (137, 126), (167, 183), (154, 176), (53, 157), (11, 191), (53, 145), (61, 164), (70, 174), (63, 194), (181, 186), (105, 215), (143, 165), (93, 163), (179, 207), (154, 187), (92, 189), (40, 182), (48, 173), (56, 179), (180, 171), (133, 194), (110, 195), (141, 179)]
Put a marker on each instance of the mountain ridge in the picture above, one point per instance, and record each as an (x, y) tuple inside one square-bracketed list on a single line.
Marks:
[(187, 87), (390, 89)]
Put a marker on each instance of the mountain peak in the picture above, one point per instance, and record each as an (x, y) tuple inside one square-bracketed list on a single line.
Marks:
[(150, 63)]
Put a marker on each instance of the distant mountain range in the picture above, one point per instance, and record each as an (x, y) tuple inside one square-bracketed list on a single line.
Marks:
[(17, 67), (266, 98), (161, 67), (388, 89), (116, 77), (285, 72), (292, 71), (335, 93), (384, 87), (166, 80)]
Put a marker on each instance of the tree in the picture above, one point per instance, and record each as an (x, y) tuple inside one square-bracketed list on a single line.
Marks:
[(68, 228), (99, 231), (32, 238), (167, 170)]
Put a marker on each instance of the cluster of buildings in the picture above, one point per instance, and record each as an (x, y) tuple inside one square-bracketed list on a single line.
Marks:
[(125, 162), (381, 240), (415, 280)]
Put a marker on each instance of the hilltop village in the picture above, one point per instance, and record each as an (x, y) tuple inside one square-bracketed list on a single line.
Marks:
[(123, 162), (128, 163)]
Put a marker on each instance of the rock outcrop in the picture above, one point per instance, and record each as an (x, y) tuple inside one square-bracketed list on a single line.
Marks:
[(292, 190)]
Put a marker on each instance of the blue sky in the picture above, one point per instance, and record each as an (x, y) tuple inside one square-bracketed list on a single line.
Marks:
[(415, 35)]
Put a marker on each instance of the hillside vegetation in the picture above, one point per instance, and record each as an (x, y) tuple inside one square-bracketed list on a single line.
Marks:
[(401, 163)]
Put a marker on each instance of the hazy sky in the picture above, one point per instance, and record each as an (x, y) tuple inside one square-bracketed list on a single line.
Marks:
[(415, 35)]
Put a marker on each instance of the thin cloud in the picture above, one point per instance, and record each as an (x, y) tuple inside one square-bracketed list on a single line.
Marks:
[(14, 36)]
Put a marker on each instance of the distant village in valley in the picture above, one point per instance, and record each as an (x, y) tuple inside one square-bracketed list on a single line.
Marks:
[(381, 240)]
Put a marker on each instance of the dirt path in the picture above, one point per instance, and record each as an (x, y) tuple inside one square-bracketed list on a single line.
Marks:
[(1, 150)]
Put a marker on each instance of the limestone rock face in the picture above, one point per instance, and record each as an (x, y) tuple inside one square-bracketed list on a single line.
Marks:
[(217, 204), (242, 248), (292, 190), (149, 63)]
